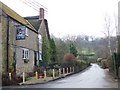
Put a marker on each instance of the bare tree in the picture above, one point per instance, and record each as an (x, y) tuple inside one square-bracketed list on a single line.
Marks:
[(108, 32), (116, 29)]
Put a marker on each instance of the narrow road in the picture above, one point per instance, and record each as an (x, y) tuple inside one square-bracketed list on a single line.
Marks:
[(93, 77)]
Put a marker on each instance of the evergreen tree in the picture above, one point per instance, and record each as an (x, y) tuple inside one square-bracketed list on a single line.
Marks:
[(45, 52), (53, 57), (61, 49), (73, 50)]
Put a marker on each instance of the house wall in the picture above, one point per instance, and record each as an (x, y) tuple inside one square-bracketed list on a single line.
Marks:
[(29, 43), (43, 30), (4, 41), (16, 47), (20, 65), (45, 42), (0, 42)]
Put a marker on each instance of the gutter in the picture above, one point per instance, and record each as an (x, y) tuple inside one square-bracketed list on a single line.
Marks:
[(7, 61)]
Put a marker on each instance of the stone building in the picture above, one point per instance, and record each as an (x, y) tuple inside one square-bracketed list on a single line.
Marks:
[(20, 42), (41, 25)]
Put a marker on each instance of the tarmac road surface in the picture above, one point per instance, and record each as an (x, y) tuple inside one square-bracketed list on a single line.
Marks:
[(93, 77)]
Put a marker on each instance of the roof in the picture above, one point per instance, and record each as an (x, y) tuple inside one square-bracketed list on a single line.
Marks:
[(32, 17), (35, 22), (46, 24), (15, 16)]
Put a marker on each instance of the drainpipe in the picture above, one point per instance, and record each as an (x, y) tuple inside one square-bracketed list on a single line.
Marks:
[(7, 62)]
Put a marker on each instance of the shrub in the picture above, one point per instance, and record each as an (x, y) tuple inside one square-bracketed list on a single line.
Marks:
[(50, 72), (39, 70), (15, 80), (104, 63), (69, 60), (80, 65), (31, 74), (69, 57)]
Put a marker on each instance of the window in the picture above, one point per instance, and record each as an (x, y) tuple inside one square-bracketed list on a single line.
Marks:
[(40, 55), (25, 54), (40, 38), (26, 31)]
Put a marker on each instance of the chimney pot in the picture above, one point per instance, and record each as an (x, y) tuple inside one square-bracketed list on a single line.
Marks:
[(41, 14)]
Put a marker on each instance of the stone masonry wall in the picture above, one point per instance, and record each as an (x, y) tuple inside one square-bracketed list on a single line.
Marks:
[(16, 47), (0, 41), (4, 42)]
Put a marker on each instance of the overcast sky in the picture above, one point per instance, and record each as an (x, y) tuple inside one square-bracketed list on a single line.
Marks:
[(71, 17)]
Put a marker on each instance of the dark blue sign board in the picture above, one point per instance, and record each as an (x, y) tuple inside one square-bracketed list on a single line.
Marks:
[(20, 32)]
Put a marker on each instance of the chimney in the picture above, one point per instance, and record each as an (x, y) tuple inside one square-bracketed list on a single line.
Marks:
[(41, 14)]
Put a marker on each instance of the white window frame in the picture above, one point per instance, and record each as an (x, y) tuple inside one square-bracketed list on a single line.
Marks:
[(26, 31), (40, 55), (40, 39), (25, 53)]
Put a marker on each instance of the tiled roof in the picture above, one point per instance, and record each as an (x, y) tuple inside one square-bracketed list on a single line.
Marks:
[(35, 22), (15, 16)]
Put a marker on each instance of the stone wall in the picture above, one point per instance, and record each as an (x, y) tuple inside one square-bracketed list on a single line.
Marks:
[(0, 42), (16, 47), (4, 42), (20, 65)]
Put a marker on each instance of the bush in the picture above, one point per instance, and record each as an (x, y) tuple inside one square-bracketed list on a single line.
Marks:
[(56, 67), (53, 66), (14, 81), (31, 74), (50, 72), (69, 60), (39, 70), (69, 57), (80, 65), (104, 63)]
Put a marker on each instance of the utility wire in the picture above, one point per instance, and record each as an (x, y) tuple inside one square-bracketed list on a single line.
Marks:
[(35, 5), (23, 1), (38, 4)]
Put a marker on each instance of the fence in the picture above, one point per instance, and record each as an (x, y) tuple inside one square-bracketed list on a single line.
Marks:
[(54, 73)]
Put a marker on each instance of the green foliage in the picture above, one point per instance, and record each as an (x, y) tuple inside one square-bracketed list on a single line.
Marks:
[(61, 49), (45, 51), (73, 50), (49, 56), (80, 65), (50, 72), (53, 57)]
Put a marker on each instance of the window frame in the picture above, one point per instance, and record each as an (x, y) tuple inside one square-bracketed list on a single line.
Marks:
[(40, 55), (25, 53), (26, 31), (40, 39)]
